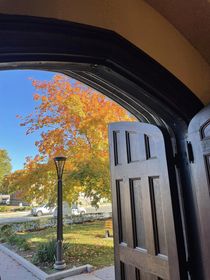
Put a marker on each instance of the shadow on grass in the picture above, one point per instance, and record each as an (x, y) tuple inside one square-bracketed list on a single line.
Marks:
[(80, 254), (86, 243), (96, 255)]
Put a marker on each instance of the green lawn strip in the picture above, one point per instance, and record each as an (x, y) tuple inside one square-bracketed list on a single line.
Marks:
[(86, 243)]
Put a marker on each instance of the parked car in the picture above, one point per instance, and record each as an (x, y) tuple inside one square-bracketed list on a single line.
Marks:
[(44, 209), (77, 210), (4, 198), (68, 211), (8, 201)]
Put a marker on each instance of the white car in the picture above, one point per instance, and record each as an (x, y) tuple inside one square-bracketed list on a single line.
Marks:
[(77, 210), (68, 211), (8, 201), (45, 209)]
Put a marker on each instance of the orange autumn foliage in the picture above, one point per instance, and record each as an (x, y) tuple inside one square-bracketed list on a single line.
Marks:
[(73, 120)]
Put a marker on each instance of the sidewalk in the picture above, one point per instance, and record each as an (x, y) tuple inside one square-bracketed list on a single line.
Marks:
[(106, 273), (12, 266), (11, 270)]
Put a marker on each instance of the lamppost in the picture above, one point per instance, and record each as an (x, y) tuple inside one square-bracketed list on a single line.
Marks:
[(59, 263)]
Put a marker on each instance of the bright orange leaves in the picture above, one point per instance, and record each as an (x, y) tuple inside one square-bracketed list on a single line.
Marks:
[(76, 116), (75, 119)]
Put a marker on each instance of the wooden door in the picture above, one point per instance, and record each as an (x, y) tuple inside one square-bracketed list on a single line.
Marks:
[(199, 160), (144, 233)]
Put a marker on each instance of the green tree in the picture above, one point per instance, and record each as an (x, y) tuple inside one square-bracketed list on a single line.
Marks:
[(5, 164)]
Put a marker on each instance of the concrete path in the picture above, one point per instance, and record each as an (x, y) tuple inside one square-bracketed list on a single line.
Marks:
[(11, 270), (106, 273)]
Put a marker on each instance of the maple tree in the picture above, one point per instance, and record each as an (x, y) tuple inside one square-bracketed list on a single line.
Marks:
[(73, 120)]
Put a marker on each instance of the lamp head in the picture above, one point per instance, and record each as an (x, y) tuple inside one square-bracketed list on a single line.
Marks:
[(59, 163)]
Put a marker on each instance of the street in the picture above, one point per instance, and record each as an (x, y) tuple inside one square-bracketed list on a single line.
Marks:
[(15, 217)]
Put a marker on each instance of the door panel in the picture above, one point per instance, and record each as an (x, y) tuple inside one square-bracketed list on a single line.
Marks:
[(144, 233), (199, 139)]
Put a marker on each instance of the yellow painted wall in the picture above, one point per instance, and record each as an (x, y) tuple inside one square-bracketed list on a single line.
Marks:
[(137, 22)]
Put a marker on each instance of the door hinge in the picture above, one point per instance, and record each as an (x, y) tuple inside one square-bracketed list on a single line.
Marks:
[(190, 152)]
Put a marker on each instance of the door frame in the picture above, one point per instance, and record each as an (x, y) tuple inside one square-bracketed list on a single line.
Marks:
[(109, 63)]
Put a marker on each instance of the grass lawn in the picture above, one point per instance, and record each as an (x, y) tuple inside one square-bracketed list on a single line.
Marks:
[(86, 244)]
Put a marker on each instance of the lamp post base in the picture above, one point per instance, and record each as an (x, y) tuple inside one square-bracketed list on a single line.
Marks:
[(59, 265)]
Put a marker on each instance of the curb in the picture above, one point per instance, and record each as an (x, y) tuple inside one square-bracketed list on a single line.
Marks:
[(29, 266), (41, 274), (70, 272)]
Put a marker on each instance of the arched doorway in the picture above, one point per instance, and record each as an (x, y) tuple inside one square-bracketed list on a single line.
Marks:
[(107, 62)]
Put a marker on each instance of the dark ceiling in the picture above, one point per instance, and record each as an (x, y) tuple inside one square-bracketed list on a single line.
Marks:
[(191, 18)]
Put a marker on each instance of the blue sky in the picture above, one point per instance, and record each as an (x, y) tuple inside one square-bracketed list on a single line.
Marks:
[(17, 99)]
